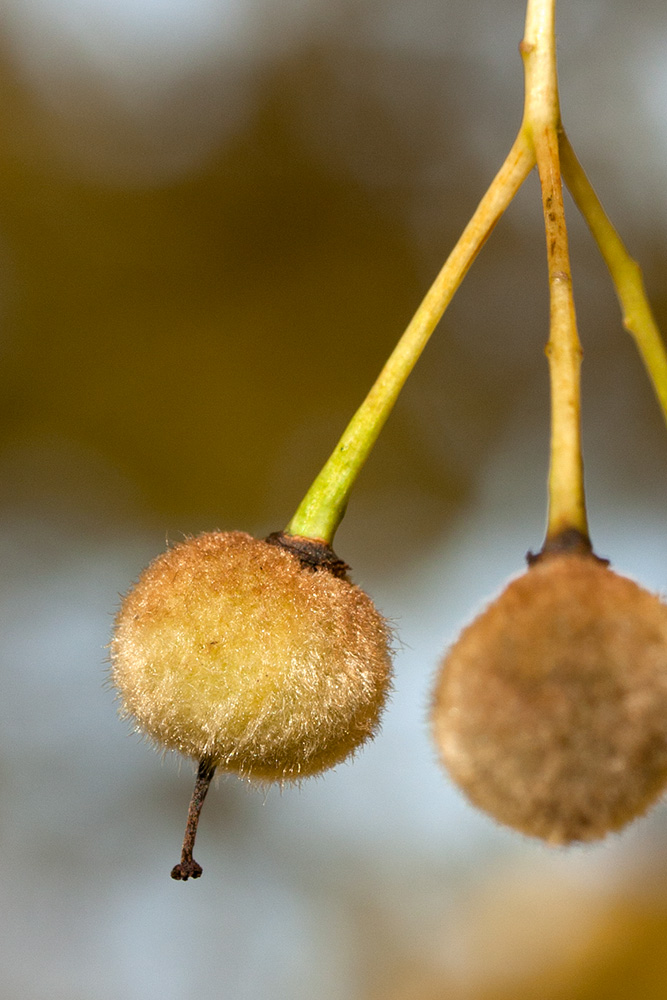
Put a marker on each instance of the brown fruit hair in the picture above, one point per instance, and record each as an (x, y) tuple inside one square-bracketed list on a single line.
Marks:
[(550, 710)]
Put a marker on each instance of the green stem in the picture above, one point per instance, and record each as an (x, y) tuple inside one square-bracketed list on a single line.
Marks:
[(323, 507), (625, 273), (567, 507)]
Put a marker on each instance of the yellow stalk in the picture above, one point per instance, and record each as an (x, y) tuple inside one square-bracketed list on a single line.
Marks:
[(625, 273), (323, 507), (541, 140), (567, 508)]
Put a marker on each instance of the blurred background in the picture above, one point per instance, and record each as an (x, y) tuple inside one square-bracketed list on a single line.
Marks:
[(216, 218)]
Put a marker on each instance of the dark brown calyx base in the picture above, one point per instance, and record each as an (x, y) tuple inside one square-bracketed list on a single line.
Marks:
[(188, 867), (311, 553), (570, 542)]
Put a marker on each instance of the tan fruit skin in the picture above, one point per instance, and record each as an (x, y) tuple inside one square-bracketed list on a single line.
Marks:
[(227, 648), (550, 711)]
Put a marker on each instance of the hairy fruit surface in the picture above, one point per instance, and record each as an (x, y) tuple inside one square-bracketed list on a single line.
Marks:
[(550, 711), (230, 649)]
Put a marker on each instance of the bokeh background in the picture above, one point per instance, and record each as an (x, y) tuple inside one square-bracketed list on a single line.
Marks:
[(216, 217)]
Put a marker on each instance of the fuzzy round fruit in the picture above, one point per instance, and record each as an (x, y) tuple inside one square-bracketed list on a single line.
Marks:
[(550, 710), (230, 649)]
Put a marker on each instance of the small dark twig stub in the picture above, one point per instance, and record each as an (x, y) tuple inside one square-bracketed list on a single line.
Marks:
[(568, 542), (312, 553), (188, 867)]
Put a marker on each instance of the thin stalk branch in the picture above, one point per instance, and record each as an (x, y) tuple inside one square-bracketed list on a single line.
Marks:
[(625, 273), (567, 509), (323, 507), (538, 49)]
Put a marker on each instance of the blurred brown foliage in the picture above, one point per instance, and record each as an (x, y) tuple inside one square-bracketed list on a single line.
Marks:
[(209, 337)]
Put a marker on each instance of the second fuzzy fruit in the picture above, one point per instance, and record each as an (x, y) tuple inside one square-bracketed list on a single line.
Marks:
[(550, 711)]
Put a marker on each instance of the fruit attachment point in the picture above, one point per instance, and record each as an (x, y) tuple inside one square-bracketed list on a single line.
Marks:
[(570, 542), (312, 553)]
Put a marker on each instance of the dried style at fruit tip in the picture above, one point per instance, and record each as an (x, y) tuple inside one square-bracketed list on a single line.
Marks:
[(550, 710)]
